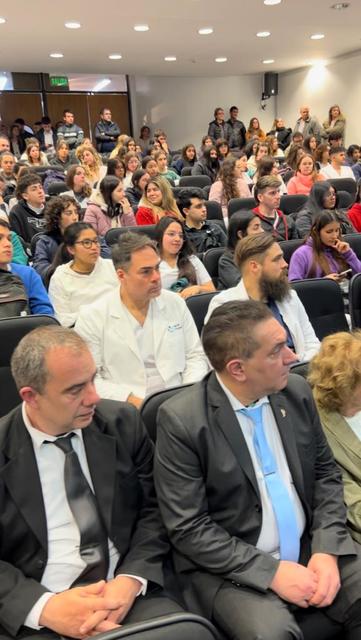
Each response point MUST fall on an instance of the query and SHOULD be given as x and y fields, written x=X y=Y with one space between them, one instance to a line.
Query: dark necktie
x=82 y=502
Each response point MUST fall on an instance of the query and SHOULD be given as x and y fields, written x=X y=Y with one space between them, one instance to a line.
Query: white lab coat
x=179 y=356
x=293 y=312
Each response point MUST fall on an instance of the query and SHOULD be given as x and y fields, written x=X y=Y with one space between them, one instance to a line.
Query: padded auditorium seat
x=198 y=306
x=194 y=181
x=323 y=302
x=112 y=236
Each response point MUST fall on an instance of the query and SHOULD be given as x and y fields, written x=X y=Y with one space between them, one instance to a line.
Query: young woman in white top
x=180 y=270
x=82 y=275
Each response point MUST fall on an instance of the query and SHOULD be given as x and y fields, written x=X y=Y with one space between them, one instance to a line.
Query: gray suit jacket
x=209 y=497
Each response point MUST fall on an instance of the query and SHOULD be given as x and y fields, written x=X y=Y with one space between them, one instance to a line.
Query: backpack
x=13 y=296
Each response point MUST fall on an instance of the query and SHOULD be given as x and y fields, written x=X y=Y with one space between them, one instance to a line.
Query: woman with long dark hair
x=116 y=167
x=324 y=254
x=187 y=159
x=180 y=270
x=230 y=184
x=322 y=196
x=81 y=276
x=134 y=193
x=241 y=224
x=108 y=207
x=79 y=189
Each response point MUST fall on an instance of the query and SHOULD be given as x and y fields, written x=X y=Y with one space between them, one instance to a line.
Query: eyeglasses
x=88 y=243
x=174 y=234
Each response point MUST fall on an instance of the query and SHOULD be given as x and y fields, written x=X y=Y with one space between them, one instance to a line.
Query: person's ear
x=235 y=369
x=29 y=395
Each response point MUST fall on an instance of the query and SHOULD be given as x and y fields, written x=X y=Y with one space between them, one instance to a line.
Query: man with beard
x=264 y=277
x=268 y=195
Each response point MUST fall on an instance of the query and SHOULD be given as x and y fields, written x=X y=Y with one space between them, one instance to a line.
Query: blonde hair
x=168 y=206
x=335 y=371
x=92 y=172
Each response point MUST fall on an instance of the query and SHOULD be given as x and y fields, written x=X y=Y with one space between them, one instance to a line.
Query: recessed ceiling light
x=220 y=59
x=170 y=58
x=2 y=20
x=268 y=61
x=141 y=27
x=56 y=55
x=205 y=31
x=317 y=36
x=115 y=56
x=272 y=1
x=263 y=34
x=340 y=5
x=72 y=25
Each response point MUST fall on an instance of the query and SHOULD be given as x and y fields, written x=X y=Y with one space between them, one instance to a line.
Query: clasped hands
x=315 y=585
x=85 y=611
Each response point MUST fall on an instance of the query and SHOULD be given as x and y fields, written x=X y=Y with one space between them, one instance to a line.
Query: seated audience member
x=7 y=163
x=108 y=207
x=79 y=189
x=132 y=163
x=268 y=195
x=264 y=277
x=92 y=164
x=19 y=255
x=62 y=156
x=59 y=213
x=260 y=150
x=28 y=142
x=17 y=142
x=106 y=132
x=254 y=131
x=134 y=193
x=322 y=196
x=322 y=156
x=160 y=137
x=80 y=275
x=325 y=254
x=69 y=131
x=310 y=145
x=274 y=149
x=306 y=176
x=268 y=166
x=157 y=201
x=208 y=164
x=296 y=139
x=150 y=166
x=161 y=159
x=229 y=184
x=217 y=128
x=242 y=165
x=27 y=217
x=309 y=125
x=35 y=157
x=187 y=159
x=130 y=145
x=4 y=207
x=295 y=154
x=47 y=136
x=282 y=133
x=206 y=142
x=223 y=150
x=337 y=167
x=241 y=224
x=180 y=270
x=202 y=233
x=143 y=338
x=256 y=552
x=336 y=121
x=354 y=213
x=236 y=131
x=353 y=155
x=335 y=140
x=335 y=378
x=93 y=566
x=4 y=143
x=116 y=167
x=26 y=292
x=144 y=139
x=119 y=150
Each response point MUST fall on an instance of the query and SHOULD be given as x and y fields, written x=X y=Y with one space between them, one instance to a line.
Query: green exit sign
x=59 y=81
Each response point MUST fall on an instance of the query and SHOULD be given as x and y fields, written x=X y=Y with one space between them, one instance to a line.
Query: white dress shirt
x=64 y=564
x=268 y=540
x=144 y=335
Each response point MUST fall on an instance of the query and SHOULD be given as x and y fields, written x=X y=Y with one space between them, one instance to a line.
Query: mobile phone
x=344 y=273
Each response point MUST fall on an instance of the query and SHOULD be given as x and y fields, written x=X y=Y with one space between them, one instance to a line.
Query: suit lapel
x=22 y=479
x=101 y=456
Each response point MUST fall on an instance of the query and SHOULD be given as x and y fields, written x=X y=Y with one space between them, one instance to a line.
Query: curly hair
x=94 y=169
x=53 y=210
x=335 y=372
x=228 y=178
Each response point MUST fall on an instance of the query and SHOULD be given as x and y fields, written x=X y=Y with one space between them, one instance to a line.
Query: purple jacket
x=302 y=258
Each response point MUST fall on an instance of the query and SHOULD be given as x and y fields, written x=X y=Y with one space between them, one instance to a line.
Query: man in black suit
x=82 y=512
x=233 y=451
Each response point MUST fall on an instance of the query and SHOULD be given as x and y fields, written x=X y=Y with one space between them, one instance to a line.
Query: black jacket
x=106 y=134
x=236 y=134
x=134 y=195
x=283 y=136
x=211 y=235
x=41 y=137
x=25 y=222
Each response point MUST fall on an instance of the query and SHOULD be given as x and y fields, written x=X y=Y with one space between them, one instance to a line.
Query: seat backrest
x=240 y=204
x=151 y=404
x=194 y=181
x=210 y=261
x=289 y=246
x=186 y=171
x=112 y=236
x=57 y=187
x=198 y=306
x=292 y=203
x=344 y=184
x=323 y=302
x=34 y=240
x=174 y=626
x=354 y=240
x=11 y=332
x=355 y=301
x=345 y=200
x=214 y=210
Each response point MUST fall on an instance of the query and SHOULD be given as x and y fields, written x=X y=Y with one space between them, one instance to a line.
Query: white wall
x=183 y=107
x=336 y=83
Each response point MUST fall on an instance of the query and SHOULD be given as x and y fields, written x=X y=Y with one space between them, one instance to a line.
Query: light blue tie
x=281 y=502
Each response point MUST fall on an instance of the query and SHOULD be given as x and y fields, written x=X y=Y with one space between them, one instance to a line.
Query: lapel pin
x=283 y=413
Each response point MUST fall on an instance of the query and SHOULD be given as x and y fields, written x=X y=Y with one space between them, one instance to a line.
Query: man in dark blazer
x=41 y=561
x=216 y=500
